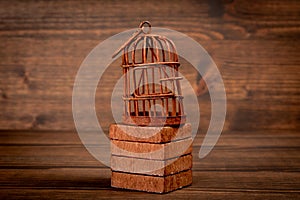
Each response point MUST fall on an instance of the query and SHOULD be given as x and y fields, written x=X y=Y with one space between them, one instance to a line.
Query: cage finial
x=142 y=26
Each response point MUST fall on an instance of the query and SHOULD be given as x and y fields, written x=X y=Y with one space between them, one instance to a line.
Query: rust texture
x=152 y=91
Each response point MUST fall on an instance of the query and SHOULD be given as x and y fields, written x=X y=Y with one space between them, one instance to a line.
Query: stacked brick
x=152 y=159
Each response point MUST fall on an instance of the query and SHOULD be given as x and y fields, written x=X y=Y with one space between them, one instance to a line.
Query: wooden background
x=254 y=43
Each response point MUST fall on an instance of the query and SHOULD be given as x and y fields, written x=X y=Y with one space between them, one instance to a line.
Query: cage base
x=154 y=120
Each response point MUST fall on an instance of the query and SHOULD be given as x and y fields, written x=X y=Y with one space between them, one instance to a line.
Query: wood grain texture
x=255 y=45
x=52 y=165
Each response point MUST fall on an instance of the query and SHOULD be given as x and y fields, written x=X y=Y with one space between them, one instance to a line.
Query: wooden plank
x=214 y=20
x=242 y=115
x=99 y=178
x=222 y=159
x=56 y=178
x=262 y=82
x=230 y=139
x=46 y=105
x=40 y=55
x=117 y=194
x=255 y=151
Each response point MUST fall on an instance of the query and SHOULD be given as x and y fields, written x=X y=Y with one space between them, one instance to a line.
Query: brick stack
x=152 y=159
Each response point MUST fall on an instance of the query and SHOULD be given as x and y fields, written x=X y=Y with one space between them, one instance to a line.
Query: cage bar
x=150 y=67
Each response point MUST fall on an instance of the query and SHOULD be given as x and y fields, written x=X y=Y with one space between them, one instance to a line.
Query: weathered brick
x=151 y=167
x=150 y=150
x=149 y=134
x=147 y=183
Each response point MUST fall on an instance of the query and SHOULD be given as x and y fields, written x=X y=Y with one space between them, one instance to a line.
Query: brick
x=150 y=150
x=154 y=184
x=149 y=134
x=151 y=167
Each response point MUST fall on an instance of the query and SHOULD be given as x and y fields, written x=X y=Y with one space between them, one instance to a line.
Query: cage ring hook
x=142 y=26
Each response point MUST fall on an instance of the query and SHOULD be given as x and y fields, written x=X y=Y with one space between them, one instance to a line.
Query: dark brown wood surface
x=255 y=45
x=55 y=165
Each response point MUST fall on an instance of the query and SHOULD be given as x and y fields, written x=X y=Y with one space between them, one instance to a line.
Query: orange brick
x=150 y=150
x=149 y=134
x=151 y=167
x=148 y=183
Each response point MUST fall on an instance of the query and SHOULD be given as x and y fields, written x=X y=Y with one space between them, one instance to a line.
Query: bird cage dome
x=152 y=91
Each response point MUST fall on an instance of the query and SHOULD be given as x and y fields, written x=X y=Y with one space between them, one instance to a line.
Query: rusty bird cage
x=152 y=90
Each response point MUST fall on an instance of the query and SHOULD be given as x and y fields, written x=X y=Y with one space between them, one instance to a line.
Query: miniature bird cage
x=152 y=91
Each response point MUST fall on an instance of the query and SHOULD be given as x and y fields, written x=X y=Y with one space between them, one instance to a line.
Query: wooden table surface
x=255 y=45
x=55 y=165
